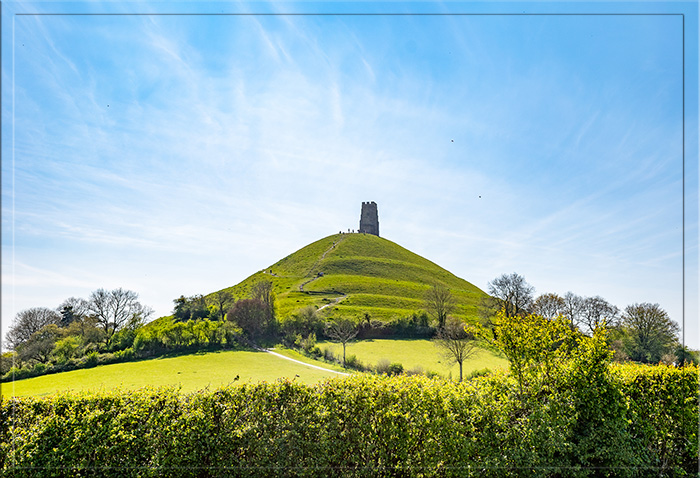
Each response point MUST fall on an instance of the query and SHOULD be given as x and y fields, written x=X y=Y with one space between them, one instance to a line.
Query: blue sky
x=179 y=154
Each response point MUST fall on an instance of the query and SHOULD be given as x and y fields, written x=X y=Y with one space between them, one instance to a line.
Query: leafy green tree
x=303 y=322
x=187 y=308
x=7 y=361
x=456 y=343
x=685 y=355
x=649 y=332
x=40 y=345
x=535 y=346
x=222 y=300
x=67 y=348
x=439 y=303
x=86 y=327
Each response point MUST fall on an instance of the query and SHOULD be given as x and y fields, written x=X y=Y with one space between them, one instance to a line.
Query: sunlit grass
x=190 y=372
x=415 y=354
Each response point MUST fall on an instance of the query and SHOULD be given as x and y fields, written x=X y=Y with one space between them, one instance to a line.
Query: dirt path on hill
x=323 y=256
x=302 y=363
x=335 y=301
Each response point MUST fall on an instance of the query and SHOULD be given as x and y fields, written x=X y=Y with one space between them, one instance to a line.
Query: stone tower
x=369 y=221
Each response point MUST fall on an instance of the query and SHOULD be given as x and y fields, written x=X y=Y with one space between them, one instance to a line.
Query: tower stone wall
x=369 y=220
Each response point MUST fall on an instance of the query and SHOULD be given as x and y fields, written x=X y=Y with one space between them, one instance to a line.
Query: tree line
x=109 y=325
x=642 y=332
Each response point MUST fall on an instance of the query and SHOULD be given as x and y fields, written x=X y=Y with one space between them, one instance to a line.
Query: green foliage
x=536 y=347
x=395 y=369
x=362 y=426
x=190 y=308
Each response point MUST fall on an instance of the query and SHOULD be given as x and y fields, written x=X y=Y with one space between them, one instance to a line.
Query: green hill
x=353 y=274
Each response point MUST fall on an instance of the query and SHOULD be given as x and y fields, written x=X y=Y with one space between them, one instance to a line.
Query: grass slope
x=378 y=277
x=190 y=372
x=416 y=354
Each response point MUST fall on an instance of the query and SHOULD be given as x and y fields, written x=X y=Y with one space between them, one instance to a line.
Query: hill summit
x=355 y=273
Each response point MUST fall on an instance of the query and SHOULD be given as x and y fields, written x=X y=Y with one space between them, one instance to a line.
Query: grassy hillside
x=366 y=273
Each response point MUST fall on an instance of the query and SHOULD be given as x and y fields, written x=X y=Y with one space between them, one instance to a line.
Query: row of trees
x=104 y=321
x=642 y=332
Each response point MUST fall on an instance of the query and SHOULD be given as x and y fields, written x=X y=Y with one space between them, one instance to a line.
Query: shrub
x=125 y=355
x=39 y=368
x=91 y=359
x=382 y=366
x=351 y=361
x=328 y=355
x=478 y=373
x=395 y=369
x=364 y=425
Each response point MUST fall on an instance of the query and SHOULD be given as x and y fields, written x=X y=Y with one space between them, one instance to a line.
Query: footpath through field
x=303 y=363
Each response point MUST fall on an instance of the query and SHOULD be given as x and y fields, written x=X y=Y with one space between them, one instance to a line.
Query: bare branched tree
x=598 y=312
x=549 y=306
x=263 y=291
x=457 y=345
x=117 y=309
x=27 y=322
x=73 y=309
x=342 y=330
x=573 y=309
x=512 y=294
x=439 y=303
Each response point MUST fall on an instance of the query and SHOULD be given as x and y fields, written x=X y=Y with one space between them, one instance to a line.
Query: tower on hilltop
x=369 y=221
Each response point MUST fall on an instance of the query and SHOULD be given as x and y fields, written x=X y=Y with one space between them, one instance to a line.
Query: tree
x=549 y=306
x=251 y=316
x=512 y=293
x=222 y=299
x=456 y=343
x=534 y=346
x=263 y=291
x=649 y=332
x=342 y=330
x=597 y=312
x=573 y=309
x=27 y=322
x=439 y=303
x=304 y=322
x=87 y=328
x=187 y=308
x=40 y=345
x=116 y=309
x=72 y=309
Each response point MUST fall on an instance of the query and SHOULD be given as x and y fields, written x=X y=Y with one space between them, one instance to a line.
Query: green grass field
x=190 y=372
x=215 y=369
x=414 y=354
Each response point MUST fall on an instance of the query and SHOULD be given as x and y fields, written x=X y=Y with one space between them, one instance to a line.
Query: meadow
x=215 y=369
x=418 y=355
x=188 y=372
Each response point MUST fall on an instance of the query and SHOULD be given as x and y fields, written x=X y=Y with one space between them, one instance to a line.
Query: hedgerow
x=628 y=421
